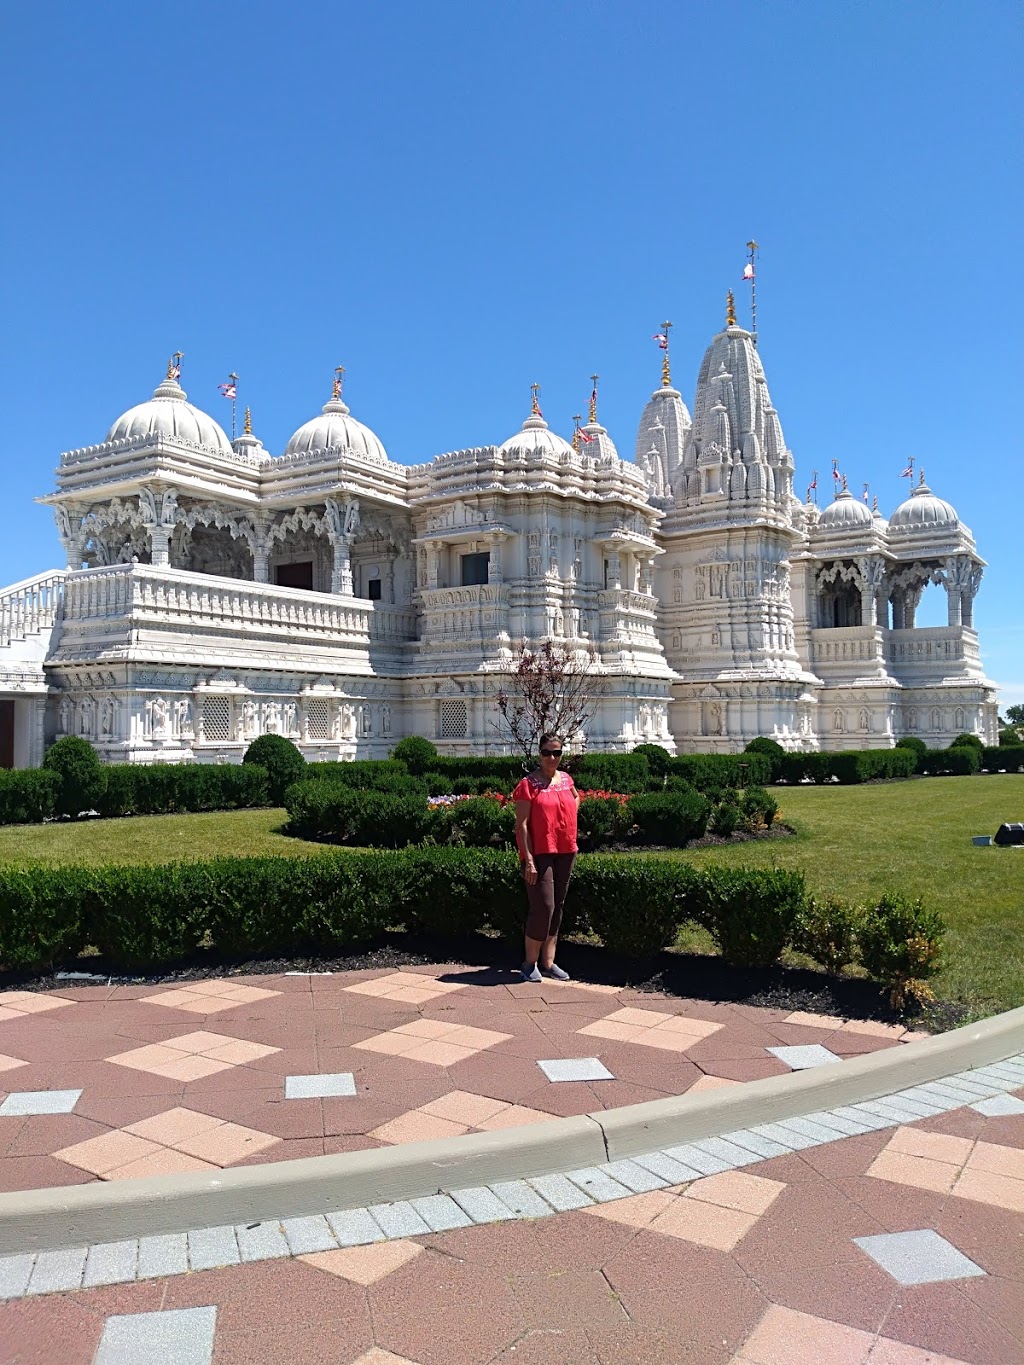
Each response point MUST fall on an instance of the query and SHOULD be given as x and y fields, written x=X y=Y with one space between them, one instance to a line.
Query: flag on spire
x=748 y=271
x=908 y=473
x=661 y=339
x=865 y=494
x=229 y=389
x=813 y=483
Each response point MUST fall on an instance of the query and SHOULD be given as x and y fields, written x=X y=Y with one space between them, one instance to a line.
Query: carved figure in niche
x=959 y=719
x=184 y=716
x=839 y=722
x=936 y=719
x=249 y=718
x=865 y=721
x=66 y=716
x=714 y=719
x=385 y=719
x=107 y=717
x=290 y=719
x=912 y=721
x=85 y=717
x=352 y=520
x=534 y=566
x=348 y=721
x=700 y=589
x=272 y=717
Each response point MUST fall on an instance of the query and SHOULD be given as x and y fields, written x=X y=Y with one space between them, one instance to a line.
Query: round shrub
x=282 y=761
x=912 y=742
x=658 y=759
x=826 y=930
x=602 y=820
x=764 y=745
x=759 y=808
x=416 y=753
x=82 y=779
x=968 y=741
x=725 y=819
x=900 y=946
x=672 y=819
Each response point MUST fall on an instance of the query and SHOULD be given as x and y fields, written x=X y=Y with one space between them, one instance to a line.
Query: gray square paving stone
x=561 y=1194
x=804 y=1056
x=635 y=1177
x=705 y=1163
x=355 y=1227
x=261 y=1241
x=998 y=1105
x=211 y=1248
x=441 y=1212
x=675 y=1172
x=180 y=1336
x=521 y=1199
x=111 y=1263
x=729 y=1152
x=57 y=1270
x=760 y=1146
x=305 y=1235
x=482 y=1205
x=337 y=1084
x=919 y=1257
x=166 y=1254
x=601 y=1188
x=576 y=1069
x=399 y=1219
x=15 y=1272
x=23 y=1103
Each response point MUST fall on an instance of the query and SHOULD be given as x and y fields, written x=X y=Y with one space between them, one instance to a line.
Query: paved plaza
x=889 y=1233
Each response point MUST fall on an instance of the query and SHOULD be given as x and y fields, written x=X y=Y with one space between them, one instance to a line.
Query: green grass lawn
x=852 y=842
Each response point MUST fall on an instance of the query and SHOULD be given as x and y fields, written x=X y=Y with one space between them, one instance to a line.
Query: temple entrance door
x=296 y=575
x=6 y=734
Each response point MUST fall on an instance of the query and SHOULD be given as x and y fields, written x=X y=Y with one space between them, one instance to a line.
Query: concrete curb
x=80 y=1215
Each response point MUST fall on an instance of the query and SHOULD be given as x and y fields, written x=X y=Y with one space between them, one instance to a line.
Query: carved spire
x=593 y=400
x=666 y=368
x=339 y=381
x=730 y=310
x=576 y=432
x=247 y=424
x=535 y=402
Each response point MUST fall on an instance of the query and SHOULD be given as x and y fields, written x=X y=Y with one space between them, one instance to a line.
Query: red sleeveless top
x=552 y=822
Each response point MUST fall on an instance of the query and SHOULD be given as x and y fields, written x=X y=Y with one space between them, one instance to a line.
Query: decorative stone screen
x=316 y=718
x=216 y=718
x=454 y=721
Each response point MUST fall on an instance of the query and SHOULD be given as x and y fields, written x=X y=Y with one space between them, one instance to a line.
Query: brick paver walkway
x=113 y=1082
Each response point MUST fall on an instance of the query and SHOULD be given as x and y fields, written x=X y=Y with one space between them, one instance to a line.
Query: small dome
x=600 y=446
x=845 y=513
x=336 y=429
x=167 y=414
x=536 y=438
x=924 y=513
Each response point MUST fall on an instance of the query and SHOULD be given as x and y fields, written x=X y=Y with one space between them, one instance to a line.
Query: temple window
x=475 y=568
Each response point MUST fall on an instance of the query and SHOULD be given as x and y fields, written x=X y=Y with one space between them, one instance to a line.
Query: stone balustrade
x=30 y=606
x=933 y=646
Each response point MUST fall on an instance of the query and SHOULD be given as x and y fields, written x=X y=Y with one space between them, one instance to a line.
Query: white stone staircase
x=28 y=613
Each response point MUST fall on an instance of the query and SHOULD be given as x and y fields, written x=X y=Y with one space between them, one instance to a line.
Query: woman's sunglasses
x=551 y=753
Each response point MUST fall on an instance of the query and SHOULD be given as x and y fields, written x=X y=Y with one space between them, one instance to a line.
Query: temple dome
x=536 y=438
x=845 y=513
x=168 y=414
x=337 y=429
x=923 y=512
x=600 y=446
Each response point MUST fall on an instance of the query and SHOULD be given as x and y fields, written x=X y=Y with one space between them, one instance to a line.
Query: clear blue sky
x=456 y=199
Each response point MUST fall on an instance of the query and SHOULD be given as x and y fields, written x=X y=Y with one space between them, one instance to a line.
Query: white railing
x=846 y=644
x=31 y=605
x=931 y=645
x=232 y=606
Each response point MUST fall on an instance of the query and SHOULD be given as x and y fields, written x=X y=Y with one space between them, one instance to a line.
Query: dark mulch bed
x=685 y=975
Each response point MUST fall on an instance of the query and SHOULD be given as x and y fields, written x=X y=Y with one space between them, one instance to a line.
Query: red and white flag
x=908 y=473
x=865 y=494
x=584 y=436
x=229 y=390
x=813 y=483
x=661 y=339
x=748 y=271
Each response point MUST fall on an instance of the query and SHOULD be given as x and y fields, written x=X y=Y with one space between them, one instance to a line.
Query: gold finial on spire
x=339 y=380
x=666 y=367
x=730 y=310
x=593 y=399
x=247 y=424
x=576 y=417
x=535 y=404
x=174 y=365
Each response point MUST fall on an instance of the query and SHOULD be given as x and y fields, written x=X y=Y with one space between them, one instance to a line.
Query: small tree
x=282 y=760
x=1015 y=715
x=550 y=690
x=82 y=778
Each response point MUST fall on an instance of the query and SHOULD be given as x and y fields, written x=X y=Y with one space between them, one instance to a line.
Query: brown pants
x=547 y=894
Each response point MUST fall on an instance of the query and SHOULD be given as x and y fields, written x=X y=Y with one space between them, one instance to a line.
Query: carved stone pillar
x=871 y=571
x=434 y=564
x=953 y=603
x=261 y=563
x=899 y=611
x=341 y=572
x=495 y=569
x=646 y=570
x=389 y=579
x=159 y=509
x=911 y=599
x=614 y=569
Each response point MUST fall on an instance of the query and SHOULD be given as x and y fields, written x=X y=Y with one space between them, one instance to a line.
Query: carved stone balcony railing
x=838 y=645
x=143 y=597
x=30 y=606
x=935 y=648
x=470 y=613
x=632 y=603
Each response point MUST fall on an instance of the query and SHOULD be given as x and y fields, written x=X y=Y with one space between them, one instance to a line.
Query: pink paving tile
x=917 y=1171
x=462 y=1107
x=954 y=1151
x=9 y=1063
x=375 y=1356
x=988 y=1156
x=365 y=1265
x=199 y=1042
x=609 y=1028
x=737 y=1190
x=412 y=995
x=174 y=1125
x=708 y=1225
x=464 y=1035
x=31 y=1002
x=393 y=1044
x=821 y=1021
x=6 y=1014
x=515 y=1116
x=785 y=1337
x=239 y=1052
x=426 y=1028
x=162 y=1162
x=102 y=1154
x=986 y=1187
x=226 y=1144
x=416 y=1126
x=888 y=1352
x=440 y=1053
x=638 y=1211
x=189 y=1068
x=710 y=1083
x=875 y=1029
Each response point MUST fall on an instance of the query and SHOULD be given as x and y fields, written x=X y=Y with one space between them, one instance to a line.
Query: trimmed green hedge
x=151 y=916
x=849 y=766
x=957 y=762
x=162 y=788
x=712 y=773
x=1003 y=758
x=27 y=795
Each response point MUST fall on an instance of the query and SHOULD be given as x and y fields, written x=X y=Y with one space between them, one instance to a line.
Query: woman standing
x=547 y=803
